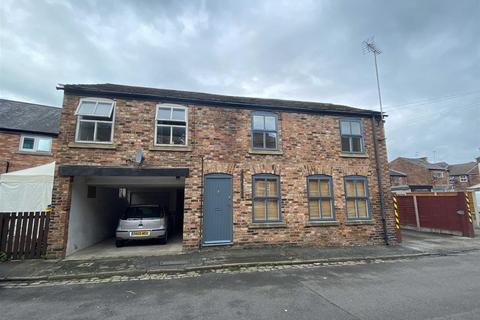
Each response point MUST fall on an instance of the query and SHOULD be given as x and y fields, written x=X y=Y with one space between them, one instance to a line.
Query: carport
x=100 y=195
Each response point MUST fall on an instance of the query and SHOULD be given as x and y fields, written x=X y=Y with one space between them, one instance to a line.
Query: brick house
x=27 y=134
x=464 y=175
x=417 y=174
x=421 y=175
x=232 y=170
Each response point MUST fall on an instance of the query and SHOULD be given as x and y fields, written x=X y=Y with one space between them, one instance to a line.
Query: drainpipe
x=379 y=180
x=8 y=167
x=201 y=209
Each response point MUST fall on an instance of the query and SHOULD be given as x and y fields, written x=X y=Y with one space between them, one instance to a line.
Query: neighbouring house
x=230 y=170
x=27 y=134
x=399 y=182
x=464 y=175
x=421 y=175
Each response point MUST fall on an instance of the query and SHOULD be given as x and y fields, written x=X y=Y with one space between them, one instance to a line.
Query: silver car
x=142 y=222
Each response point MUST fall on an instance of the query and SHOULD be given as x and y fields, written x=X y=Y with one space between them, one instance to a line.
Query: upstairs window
x=95 y=121
x=320 y=198
x=171 y=125
x=266 y=198
x=356 y=195
x=264 y=131
x=35 y=144
x=351 y=135
x=463 y=178
x=437 y=174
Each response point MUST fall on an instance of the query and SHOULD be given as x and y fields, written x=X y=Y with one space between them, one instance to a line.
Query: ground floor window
x=266 y=198
x=356 y=196
x=320 y=198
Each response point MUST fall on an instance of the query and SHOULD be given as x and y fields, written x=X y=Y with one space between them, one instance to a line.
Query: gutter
x=22 y=131
x=379 y=181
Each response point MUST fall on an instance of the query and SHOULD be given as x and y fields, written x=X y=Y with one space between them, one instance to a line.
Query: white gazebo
x=27 y=190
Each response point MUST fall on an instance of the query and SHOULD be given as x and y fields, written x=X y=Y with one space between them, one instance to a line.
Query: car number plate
x=140 y=233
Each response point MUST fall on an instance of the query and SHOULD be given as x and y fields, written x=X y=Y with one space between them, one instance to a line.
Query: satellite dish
x=139 y=156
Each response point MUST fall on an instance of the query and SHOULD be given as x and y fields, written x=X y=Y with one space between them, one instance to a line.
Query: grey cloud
x=308 y=50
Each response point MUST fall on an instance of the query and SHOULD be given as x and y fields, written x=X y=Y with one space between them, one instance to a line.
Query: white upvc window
x=171 y=125
x=95 y=119
x=38 y=144
x=463 y=178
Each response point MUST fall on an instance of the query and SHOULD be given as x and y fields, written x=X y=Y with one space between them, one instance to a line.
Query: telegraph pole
x=370 y=46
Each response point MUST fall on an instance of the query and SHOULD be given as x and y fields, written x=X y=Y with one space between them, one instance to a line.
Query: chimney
x=478 y=160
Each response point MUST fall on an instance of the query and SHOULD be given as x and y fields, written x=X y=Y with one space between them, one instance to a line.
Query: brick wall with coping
x=19 y=160
x=309 y=144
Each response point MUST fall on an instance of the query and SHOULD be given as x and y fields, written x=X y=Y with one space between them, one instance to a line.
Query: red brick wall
x=9 y=145
x=310 y=144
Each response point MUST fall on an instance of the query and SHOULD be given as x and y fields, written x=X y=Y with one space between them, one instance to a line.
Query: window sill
x=322 y=223
x=171 y=148
x=353 y=155
x=359 y=222
x=267 y=152
x=92 y=145
x=35 y=153
x=272 y=225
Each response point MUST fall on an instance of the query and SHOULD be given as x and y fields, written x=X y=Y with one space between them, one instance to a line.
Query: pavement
x=437 y=287
x=414 y=244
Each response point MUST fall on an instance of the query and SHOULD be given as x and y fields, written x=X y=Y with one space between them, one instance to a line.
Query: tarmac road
x=445 y=287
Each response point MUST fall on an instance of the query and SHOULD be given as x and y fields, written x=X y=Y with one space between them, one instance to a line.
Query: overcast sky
x=307 y=50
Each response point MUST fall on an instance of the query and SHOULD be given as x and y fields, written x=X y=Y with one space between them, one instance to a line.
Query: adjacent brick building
x=464 y=175
x=27 y=134
x=246 y=171
x=417 y=174
x=421 y=175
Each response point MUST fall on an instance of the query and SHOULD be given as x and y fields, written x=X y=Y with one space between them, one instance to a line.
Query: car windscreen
x=143 y=213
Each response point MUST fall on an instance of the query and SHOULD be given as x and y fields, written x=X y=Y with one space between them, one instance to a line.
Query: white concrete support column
x=475 y=208
x=417 y=217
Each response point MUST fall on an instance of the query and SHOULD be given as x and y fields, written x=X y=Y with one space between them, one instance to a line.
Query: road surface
x=445 y=287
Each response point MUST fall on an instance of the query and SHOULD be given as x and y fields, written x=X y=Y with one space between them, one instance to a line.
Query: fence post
x=417 y=217
x=397 y=219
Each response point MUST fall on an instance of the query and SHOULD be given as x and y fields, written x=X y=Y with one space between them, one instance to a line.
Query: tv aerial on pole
x=369 y=45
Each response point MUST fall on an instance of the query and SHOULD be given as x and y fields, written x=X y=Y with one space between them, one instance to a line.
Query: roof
x=442 y=164
x=397 y=173
x=461 y=168
x=424 y=163
x=115 y=90
x=29 y=117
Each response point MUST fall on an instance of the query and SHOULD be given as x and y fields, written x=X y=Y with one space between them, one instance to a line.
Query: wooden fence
x=442 y=212
x=23 y=235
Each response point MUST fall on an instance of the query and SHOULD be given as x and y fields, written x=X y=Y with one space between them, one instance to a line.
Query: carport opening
x=98 y=202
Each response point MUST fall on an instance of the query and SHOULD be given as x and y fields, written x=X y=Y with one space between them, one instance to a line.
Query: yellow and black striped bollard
x=469 y=210
x=397 y=218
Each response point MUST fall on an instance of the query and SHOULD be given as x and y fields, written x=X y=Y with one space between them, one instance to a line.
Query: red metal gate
x=445 y=212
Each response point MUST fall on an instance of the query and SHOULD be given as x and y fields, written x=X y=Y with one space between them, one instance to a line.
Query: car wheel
x=119 y=243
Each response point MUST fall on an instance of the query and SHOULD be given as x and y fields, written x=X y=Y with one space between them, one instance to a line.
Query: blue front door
x=217 y=210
